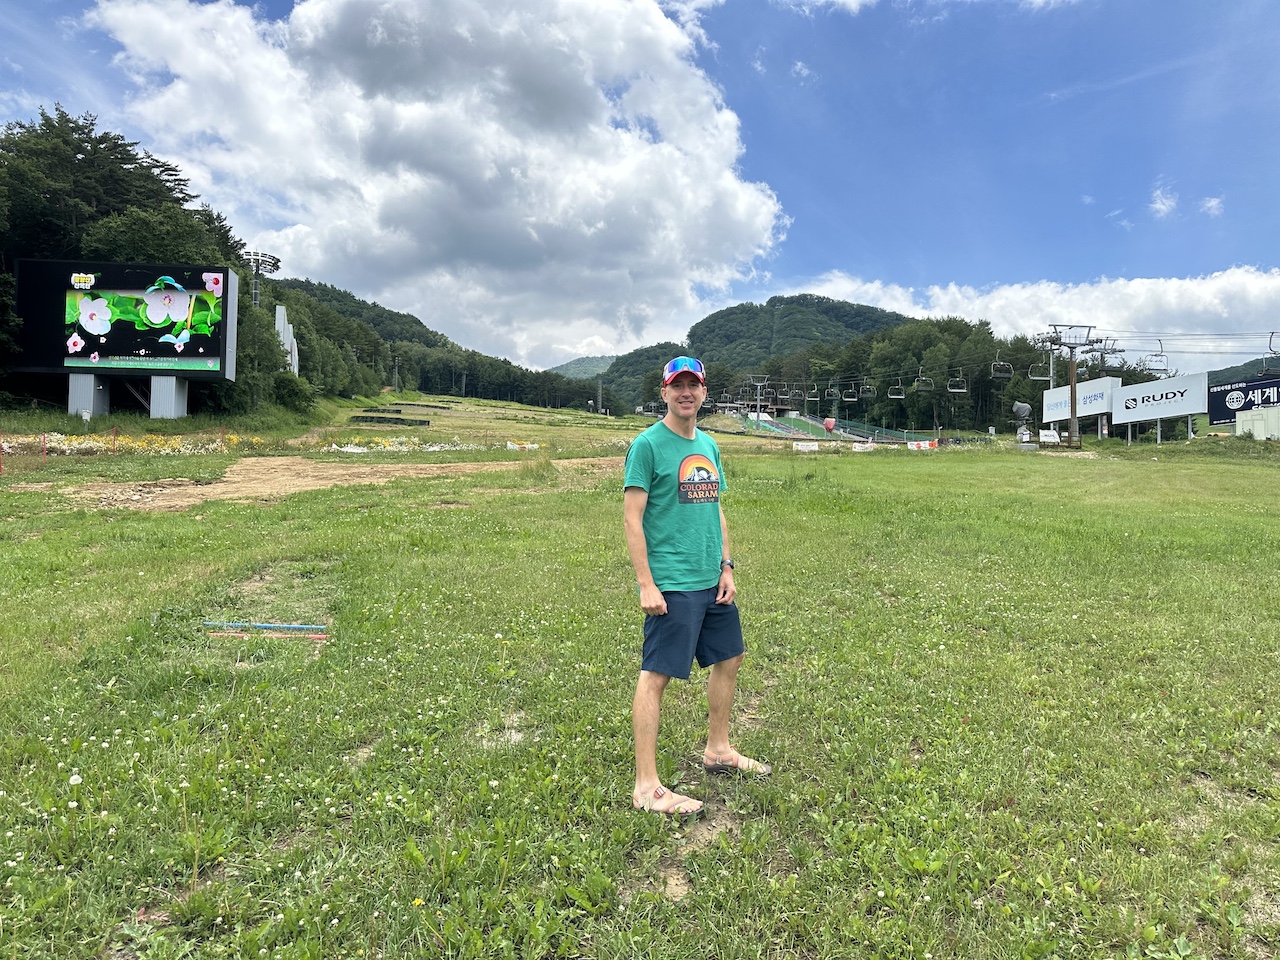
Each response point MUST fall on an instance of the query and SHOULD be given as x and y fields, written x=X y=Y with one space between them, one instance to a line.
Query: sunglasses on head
x=681 y=364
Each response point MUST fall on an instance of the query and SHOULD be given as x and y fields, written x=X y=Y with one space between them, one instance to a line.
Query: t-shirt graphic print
x=699 y=480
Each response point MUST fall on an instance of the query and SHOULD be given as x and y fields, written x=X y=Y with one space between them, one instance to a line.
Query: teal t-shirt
x=682 y=517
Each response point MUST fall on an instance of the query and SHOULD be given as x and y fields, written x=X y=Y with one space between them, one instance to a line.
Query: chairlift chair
x=1001 y=369
x=797 y=393
x=867 y=391
x=850 y=395
x=897 y=391
x=922 y=383
x=726 y=397
x=1157 y=362
x=957 y=384
x=1038 y=371
x=832 y=393
x=813 y=393
x=1272 y=354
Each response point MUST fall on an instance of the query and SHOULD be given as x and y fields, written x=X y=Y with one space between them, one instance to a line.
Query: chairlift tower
x=759 y=382
x=261 y=263
x=1071 y=337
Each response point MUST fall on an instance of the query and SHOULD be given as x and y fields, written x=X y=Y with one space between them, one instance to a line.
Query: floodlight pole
x=261 y=263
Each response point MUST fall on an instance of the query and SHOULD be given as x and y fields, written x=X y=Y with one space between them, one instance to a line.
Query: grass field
x=1018 y=705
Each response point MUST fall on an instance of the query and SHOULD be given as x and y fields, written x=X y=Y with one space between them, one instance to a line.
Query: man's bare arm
x=634 y=500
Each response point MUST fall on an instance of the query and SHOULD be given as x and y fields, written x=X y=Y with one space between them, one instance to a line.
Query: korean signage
x=1228 y=399
x=1093 y=397
x=1159 y=399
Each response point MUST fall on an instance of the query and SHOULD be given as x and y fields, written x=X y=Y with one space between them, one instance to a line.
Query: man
x=679 y=547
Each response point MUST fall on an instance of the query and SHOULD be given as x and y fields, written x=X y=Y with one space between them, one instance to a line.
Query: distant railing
x=864 y=431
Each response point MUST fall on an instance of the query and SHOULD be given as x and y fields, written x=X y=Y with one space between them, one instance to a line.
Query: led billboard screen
x=126 y=319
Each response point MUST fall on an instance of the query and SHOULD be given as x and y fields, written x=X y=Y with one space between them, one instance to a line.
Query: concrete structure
x=1262 y=423
x=90 y=392
x=168 y=398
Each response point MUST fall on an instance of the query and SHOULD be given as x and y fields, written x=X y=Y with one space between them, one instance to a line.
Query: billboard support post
x=89 y=391
x=168 y=398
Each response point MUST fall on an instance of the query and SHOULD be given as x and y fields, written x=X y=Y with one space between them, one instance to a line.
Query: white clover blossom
x=95 y=316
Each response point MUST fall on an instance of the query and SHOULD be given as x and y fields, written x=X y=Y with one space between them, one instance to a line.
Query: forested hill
x=1260 y=366
x=747 y=335
x=580 y=368
x=390 y=325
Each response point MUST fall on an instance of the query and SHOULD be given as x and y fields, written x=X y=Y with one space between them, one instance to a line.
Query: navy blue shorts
x=693 y=626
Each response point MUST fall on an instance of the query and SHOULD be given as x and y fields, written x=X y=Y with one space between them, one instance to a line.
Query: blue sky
x=543 y=179
x=990 y=142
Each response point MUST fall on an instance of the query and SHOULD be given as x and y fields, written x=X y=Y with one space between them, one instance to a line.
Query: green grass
x=1018 y=706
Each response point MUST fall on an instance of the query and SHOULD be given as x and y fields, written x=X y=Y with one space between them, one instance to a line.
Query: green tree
x=165 y=234
x=61 y=175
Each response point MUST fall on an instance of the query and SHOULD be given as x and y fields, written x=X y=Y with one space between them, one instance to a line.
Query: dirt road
x=267 y=478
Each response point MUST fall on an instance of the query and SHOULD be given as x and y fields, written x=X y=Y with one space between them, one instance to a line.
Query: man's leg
x=721 y=686
x=720 y=756
x=649 y=793
x=646 y=709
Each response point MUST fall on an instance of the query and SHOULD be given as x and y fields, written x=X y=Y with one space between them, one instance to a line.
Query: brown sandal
x=735 y=762
x=665 y=802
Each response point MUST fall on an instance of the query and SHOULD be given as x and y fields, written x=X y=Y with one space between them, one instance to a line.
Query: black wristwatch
x=727 y=563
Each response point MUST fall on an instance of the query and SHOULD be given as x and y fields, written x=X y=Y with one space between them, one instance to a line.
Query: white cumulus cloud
x=530 y=177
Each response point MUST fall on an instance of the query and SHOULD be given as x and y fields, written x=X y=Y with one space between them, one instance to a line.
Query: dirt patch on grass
x=715 y=821
x=672 y=879
x=509 y=735
x=269 y=478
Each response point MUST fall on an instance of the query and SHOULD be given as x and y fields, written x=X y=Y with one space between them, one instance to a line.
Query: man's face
x=685 y=393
